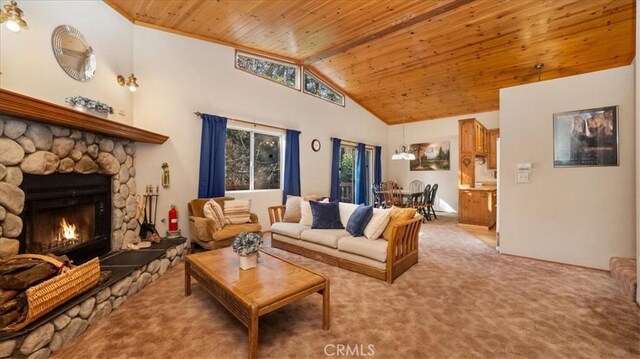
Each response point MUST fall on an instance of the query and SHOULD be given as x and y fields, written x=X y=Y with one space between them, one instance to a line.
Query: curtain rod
x=352 y=143
x=199 y=114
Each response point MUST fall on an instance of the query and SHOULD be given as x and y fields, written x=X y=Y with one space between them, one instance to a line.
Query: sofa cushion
x=397 y=215
x=346 y=210
x=232 y=230
x=325 y=237
x=326 y=215
x=289 y=229
x=377 y=224
x=359 y=220
x=376 y=249
x=306 y=217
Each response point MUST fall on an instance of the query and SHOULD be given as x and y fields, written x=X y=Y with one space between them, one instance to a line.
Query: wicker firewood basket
x=46 y=296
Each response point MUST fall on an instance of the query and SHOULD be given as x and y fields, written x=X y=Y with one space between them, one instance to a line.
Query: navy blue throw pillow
x=326 y=215
x=359 y=220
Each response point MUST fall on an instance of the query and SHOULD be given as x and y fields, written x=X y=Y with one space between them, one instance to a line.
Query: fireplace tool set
x=149 y=209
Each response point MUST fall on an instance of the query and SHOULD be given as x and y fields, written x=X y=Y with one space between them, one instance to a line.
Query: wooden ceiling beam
x=382 y=33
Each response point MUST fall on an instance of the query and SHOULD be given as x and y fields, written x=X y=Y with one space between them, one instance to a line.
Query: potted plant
x=247 y=246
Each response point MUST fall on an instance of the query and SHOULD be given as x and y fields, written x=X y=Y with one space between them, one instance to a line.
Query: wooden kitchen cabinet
x=481 y=139
x=492 y=153
x=477 y=207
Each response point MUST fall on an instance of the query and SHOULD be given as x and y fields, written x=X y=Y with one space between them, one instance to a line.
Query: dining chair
x=378 y=199
x=392 y=194
x=415 y=191
x=421 y=203
x=431 y=201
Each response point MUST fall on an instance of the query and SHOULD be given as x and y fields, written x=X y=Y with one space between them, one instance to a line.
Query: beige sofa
x=381 y=259
x=203 y=230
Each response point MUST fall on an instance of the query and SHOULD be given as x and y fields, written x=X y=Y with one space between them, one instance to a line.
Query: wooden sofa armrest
x=276 y=213
x=402 y=250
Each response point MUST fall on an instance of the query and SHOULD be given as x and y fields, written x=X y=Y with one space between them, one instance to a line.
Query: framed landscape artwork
x=430 y=156
x=586 y=138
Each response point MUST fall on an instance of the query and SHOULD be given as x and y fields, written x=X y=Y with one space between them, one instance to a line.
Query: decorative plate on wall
x=315 y=145
x=73 y=53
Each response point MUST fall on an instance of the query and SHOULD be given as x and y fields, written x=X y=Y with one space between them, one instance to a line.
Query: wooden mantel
x=25 y=107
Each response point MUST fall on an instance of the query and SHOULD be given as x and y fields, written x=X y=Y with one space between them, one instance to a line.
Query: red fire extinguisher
x=173 y=219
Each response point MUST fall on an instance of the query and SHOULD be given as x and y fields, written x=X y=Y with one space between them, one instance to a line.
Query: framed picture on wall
x=586 y=138
x=430 y=156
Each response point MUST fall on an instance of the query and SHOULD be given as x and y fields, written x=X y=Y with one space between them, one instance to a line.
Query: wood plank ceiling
x=450 y=57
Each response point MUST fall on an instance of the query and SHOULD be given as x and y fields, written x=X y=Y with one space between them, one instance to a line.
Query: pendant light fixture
x=401 y=153
x=12 y=17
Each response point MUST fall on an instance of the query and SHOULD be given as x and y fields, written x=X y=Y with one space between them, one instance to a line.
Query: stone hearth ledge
x=58 y=332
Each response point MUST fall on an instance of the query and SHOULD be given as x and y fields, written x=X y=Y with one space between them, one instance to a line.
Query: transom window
x=252 y=160
x=281 y=72
x=316 y=87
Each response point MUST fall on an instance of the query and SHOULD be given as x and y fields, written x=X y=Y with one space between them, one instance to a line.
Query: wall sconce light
x=13 y=17
x=131 y=82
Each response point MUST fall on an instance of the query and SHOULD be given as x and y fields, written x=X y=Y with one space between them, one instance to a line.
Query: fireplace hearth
x=67 y=214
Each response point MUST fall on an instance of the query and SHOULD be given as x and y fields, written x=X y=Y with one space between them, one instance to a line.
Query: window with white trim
x=253 y=160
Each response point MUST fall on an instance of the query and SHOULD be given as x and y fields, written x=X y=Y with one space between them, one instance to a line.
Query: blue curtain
x=335 y=171
x=211 y=182
x=291 y=165
x=361 y=191
x=377 y=165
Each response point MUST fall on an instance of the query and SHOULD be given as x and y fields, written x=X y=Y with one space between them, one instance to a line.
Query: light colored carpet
x=462 y=300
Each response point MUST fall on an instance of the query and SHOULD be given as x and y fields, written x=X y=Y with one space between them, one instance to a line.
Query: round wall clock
x=315 y=145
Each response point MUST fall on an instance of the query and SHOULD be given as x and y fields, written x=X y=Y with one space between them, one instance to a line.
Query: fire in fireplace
x=67 y=214
x=59 y=229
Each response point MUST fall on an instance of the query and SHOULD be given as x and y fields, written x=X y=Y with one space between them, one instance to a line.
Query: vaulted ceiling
x=450 y=57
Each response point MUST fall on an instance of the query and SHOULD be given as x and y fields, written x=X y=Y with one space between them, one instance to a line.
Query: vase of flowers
x=247 y=246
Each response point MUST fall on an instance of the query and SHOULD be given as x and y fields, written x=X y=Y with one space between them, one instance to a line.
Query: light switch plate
x=523 y=176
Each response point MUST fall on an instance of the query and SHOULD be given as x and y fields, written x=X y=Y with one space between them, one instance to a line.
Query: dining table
x=407 y=195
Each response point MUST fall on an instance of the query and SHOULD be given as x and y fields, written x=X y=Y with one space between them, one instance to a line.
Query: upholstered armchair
x=203 y=229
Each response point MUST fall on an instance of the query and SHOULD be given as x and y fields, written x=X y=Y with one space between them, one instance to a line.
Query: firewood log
x=29 y=277
x=8 y=318
x=9 y=306
x=16 y=265
x=7 y=295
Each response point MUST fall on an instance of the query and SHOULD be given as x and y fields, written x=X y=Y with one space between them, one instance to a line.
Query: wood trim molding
x=21 y=106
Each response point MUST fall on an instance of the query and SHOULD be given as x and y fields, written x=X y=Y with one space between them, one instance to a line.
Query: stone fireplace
x=64 y=191
x=66 y=213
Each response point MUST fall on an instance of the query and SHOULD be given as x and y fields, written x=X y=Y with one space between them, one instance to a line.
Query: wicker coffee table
x=249 y=294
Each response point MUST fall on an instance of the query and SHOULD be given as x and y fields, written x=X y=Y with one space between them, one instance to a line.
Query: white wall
x=578 y=216
x=183 y=75
x=29 y=67
x=428 y=131
x=635 y=62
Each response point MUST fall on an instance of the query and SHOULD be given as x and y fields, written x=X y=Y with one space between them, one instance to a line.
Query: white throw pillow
x=346 y=210
x=306 y=218
x=378 y=223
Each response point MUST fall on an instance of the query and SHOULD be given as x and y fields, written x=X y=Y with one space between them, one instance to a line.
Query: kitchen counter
x=480 y=188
